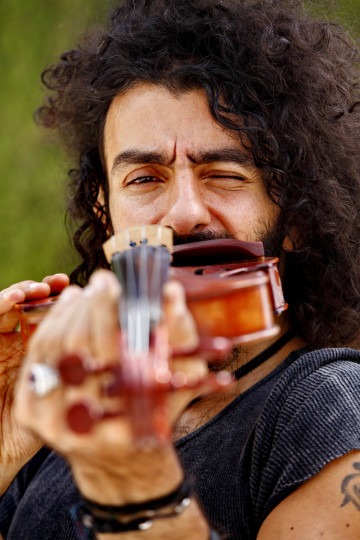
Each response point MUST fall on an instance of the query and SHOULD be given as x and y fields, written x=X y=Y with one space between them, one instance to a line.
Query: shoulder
x=327 y=505
x=313 y=379
x=311 y=417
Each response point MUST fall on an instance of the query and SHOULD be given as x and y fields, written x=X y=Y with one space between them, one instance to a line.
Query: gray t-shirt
x=243 y=462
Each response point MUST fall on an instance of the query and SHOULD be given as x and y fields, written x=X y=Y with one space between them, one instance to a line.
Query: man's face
x=169 y=163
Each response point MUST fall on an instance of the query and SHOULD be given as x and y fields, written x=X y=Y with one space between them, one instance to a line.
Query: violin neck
x=142 y=270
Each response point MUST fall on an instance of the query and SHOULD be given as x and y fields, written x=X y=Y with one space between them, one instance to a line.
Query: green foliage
x=33 y=242
x=345 y=12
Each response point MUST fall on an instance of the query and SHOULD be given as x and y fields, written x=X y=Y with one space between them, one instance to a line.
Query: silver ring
x=43 y=379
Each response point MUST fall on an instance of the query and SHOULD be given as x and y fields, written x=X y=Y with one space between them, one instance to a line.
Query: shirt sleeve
x=311 y=417
x=13 y=495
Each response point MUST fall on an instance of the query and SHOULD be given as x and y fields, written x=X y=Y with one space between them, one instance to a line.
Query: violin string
x=161 y=263
x=143 y=298
x=156 y=278
x=141 y=308
x=130 y=299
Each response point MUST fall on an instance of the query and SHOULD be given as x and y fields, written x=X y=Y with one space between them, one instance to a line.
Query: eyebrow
x=136 y=156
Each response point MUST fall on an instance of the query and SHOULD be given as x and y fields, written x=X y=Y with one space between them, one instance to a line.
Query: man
x=216 y=119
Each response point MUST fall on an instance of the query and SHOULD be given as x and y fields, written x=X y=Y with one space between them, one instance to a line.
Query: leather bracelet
x=108 y=525
x=102 y=510
x=90 y=515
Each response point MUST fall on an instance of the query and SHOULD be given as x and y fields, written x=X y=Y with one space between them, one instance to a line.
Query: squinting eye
x=143 y=180
x=241 y=178
x=226 y=180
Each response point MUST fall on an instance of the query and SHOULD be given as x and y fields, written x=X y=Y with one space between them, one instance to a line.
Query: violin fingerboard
x=142 y=272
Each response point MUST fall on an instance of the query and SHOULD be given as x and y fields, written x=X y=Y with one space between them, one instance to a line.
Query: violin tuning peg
x=72 y=369
x=82 y=416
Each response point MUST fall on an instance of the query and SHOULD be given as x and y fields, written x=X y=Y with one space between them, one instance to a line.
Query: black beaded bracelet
x=91 y=515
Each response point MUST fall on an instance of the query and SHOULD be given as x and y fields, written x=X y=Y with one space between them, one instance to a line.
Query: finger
x=104 y=293
x=67 y=327
x=41 y=415
x=57 y=282
x=181 y=326
x=9 y=299
x=19 y=293
x=33 y=290
x=47 y=347
x=48 y=339
x=193 y=368
x=68 y=295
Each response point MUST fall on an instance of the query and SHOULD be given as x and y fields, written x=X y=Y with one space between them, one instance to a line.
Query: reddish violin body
x=234 y=291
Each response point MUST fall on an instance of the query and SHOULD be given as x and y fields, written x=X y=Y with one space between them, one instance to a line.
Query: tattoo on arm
x=350 y=487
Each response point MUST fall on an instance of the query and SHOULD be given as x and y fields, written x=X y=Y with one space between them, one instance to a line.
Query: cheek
x=243 y=213
x=129 y=213
x=233 y=207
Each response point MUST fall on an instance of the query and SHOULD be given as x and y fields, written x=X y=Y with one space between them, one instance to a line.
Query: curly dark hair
x=291 y=79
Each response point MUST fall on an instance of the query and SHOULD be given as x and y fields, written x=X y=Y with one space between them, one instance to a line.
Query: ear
x=100 y=202
x=291 y=239
x=101 y=196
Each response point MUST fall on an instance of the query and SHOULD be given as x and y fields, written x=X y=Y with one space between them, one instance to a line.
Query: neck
x=240 y=356
x=203 y=408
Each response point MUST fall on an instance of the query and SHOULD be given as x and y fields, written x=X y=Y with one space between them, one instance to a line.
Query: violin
x=232 y=291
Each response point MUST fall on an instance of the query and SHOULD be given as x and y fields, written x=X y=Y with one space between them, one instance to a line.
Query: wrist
x=146 y=475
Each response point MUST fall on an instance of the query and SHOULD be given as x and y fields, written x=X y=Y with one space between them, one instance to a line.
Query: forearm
x=14 y=459
x=8 y=473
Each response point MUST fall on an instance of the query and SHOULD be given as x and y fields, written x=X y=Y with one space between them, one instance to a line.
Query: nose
x=186 y=210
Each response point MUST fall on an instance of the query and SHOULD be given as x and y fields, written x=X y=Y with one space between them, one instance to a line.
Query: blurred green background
x=33 y=241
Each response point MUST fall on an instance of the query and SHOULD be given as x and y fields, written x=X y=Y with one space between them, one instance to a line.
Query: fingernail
x=66 y=295
x=98 y=284
x=34 y=286
x=88 y=291
x=7 y=294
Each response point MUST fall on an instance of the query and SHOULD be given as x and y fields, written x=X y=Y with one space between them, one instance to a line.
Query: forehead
x=149 y=116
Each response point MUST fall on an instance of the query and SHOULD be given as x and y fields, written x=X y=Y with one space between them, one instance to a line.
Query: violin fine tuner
x=153 y=235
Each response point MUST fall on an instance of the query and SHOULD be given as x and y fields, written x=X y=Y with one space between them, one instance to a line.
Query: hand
x=17 y=445
x=86 y=321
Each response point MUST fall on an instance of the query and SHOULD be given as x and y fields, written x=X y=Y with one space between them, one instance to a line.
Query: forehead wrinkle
x=218 y=155
x=138 y=156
